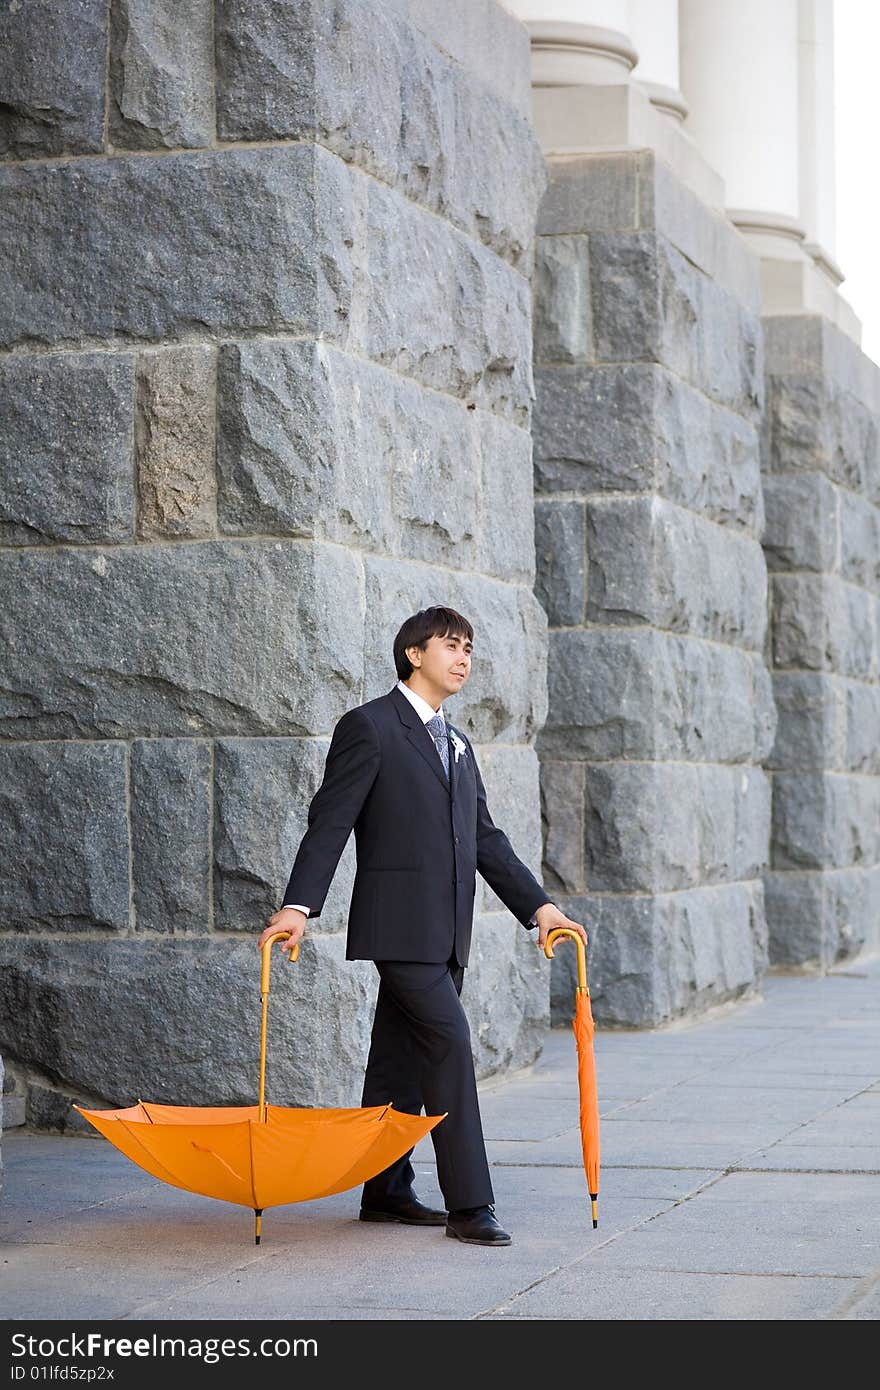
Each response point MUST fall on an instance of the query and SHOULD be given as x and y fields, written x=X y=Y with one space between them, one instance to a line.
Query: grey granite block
x=66 y=447
x=562 y=314
x=161 y=74
x=171 y=834
x=444 y=309
x=596 y=192
x=140 y=245
x=560 y=541
x=64 y=826
x=801 y=532
x=52 y=73
x=201 y=637
x=812 y=720
x=175 y=442
x=257 y=784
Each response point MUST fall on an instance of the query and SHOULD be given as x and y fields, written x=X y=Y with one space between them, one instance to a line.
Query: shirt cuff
x=300 y=907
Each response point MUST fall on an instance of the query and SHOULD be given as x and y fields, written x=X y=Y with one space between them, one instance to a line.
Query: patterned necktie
x=436 y=727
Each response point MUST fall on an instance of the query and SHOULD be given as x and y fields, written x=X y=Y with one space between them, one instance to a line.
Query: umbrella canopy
x=262 y=1155
x=237 y=1155
x=584 y=1029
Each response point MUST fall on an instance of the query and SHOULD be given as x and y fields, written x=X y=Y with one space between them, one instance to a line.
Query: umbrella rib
x=174 y=1182
x=251 y=1157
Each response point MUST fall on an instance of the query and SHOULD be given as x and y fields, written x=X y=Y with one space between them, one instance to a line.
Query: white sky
x=856 y=46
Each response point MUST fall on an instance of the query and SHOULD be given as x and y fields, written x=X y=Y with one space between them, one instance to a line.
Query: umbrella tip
x=593 y=1200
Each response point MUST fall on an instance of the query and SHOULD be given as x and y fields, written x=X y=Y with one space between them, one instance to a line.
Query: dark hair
x=421 y=627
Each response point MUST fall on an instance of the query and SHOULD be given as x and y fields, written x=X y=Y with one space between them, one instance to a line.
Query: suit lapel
x=419 y=737
x=426 y=746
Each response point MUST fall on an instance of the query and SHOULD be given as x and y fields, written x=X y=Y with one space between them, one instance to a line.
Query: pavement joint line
x=707 y=1070
x=741 y=1273
x=30 y=1244
x=416 y=1313
x=141 y=1310
x=511 y=1299
x=673 y=1203
x=649 y=1167
x=813 y=1172
x=557 y=1134
x=802 y=1124
x=697 y=1167
x=865 y=1286
x=49 y=1217
x=625 y=1105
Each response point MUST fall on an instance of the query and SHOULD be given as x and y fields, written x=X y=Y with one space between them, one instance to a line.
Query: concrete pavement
x=740 y=1180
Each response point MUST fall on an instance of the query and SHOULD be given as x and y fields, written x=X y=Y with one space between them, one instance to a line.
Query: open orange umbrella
x=261 y=1155
x=584 y=1028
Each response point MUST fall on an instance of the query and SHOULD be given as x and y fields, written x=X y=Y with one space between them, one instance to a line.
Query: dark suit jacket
x=420 y=841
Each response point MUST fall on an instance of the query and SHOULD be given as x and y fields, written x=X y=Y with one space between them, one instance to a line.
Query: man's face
x=445 y=663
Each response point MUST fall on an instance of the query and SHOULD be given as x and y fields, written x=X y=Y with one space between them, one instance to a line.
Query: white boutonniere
x=457 y=744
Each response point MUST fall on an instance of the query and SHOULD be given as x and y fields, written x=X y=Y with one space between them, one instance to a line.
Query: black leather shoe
x=476 y=1226
x=407 y=1210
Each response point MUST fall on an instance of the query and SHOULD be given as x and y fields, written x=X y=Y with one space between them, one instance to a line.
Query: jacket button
x=456 y=839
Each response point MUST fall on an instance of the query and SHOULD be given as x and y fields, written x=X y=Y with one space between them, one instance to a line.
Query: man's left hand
x=548 y=917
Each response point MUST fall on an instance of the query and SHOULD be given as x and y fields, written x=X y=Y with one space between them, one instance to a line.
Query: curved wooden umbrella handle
x=553 y=936
x=266 y=954
x=265 y=969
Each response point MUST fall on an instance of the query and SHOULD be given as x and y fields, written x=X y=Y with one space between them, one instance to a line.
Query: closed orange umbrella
x=262 y=1155
x=584 y=1029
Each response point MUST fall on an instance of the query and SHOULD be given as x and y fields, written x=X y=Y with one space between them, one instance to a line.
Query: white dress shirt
x=425 y=712
x=419 y=704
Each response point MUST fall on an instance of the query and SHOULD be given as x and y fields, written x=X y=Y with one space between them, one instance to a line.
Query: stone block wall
x=821 y=462
x=266 y=390
x=649 y=516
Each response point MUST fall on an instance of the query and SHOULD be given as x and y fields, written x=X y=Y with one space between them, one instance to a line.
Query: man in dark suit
x=406 y=780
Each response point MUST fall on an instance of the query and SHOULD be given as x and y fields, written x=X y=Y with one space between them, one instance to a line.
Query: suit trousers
x=420 y=1056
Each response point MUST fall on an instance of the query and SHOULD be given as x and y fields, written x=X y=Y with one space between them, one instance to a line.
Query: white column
x=754 y=76
x=577 y=42
x=739 y=75
x=816 y=86
x=654 y=28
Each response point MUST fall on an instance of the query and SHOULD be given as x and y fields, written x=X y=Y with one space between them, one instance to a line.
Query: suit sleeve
x=500 y=865
x=349 y=772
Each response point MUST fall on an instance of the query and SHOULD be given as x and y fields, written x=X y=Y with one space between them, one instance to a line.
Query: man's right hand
x=289 y=919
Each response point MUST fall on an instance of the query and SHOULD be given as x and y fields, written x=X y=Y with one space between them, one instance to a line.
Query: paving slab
x=647 y=1295
x=820 y=1224
x=701 y=1103
x=864 y=1303
x=854 y=1121
x=815 y=1158
x=745 y=1076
